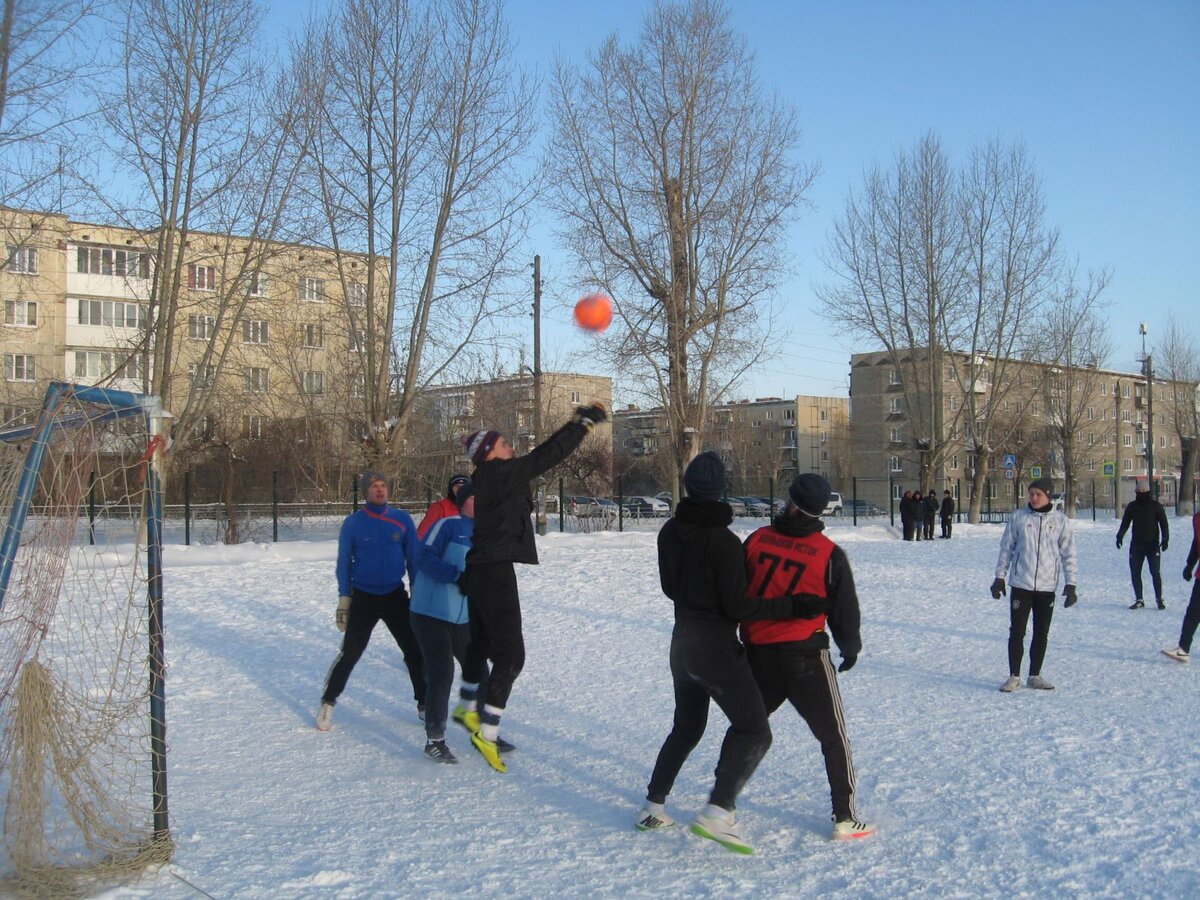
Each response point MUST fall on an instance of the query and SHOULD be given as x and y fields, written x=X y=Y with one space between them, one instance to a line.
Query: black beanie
x=455 y=481
x=810 y=493
x=465 y=493
x=1045 y=485
x=704 y=477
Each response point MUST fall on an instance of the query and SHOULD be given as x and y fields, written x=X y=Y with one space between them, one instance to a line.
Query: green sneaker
x=467 y=718
x=488 y=750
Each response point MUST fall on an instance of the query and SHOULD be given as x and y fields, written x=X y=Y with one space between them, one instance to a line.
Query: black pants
x=909 y=530
x=1041 y=603
x=496 y=626
x=807 y=680
x=947 y=526
x=710 y=665
x=929 y=528
x=1191 y=618
x=365 y=612
x=442 y=643
x=1139 y=553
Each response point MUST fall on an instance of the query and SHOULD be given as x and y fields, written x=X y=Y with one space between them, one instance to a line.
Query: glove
x=848 y=663
x=1120 y=541
x=1187 y=574
x=1163 y=548
x=1072 y=597
x=343 y=613
x=998 y=589
x=591 y=415
x=808 y=606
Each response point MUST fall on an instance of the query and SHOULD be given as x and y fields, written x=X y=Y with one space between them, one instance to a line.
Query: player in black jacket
x=504 y=536
x=1150 y=534
x=947 y=514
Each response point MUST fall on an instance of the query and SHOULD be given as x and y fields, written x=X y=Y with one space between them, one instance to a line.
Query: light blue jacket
x=1036 y=548
x=441 y=558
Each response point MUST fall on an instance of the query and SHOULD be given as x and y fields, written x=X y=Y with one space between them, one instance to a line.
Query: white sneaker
x=851 y=829
x=1177 y=653
x=325 y=717
x=718 y=825
x=1013 y=682
x=1040 y=683
x=652 y=818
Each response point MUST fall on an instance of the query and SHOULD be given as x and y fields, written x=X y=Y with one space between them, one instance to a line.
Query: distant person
x=917 y=514
x=504 y=536
x=446 y=506
x=931 y=511
x=790 y=657
x=1149 y=541
x=377 y=545
x=947 y=514
x=906 y=515
x=1038 y=546
x=1192 y=617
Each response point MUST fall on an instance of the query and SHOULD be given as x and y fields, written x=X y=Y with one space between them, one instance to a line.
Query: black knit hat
x=465 y=493
x=455 y=481
x=1045 y=485
x=704 y=477
x=809 y=493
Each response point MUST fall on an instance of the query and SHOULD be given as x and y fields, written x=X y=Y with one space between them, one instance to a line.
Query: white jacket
x=1037 y=546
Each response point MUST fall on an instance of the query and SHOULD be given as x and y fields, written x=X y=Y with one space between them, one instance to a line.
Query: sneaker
x=325 y=717
x=1177 y=653
x=421 y=711
x=489 y=751
x=1161 y=603
x=850 y=828
x=1138 y=604
x=467 y=718
x=1013 y=682
x=439 y=752
x=652 y=818
x=1040 y=683
x=718 y=825
x=504 y=746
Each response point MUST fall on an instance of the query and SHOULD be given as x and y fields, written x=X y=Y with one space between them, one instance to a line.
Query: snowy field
x=1088 y=790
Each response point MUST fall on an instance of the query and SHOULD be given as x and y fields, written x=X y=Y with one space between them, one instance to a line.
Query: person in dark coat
x=702 y=570
x=906 y=515
x=917 y=515
x=1150 y=535
x=947 y=514
x=504 y=536
x=930 y=513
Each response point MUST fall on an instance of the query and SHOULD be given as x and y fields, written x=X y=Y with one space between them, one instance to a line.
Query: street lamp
x=1148 y=371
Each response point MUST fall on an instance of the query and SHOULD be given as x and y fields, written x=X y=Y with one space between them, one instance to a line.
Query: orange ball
x=594 y=312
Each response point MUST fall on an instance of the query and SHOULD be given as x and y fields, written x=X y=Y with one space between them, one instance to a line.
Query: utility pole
x=537 y=386
x=1148 y=371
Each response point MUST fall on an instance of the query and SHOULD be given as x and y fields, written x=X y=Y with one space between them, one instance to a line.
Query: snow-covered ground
x=1088 y=790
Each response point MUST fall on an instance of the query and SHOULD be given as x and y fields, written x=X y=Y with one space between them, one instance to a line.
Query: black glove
x=1187 y=574
x=1120 y=541
x=848 y=662
x=1163 y=548
x=808 y=606
x=1072 y=597
x=591 y=415
x=998 y=589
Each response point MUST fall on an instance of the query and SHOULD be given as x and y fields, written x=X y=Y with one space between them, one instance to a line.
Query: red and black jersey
x=781 y=565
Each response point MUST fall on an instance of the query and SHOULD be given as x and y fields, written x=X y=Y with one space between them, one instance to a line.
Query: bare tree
x=675 y=179
x=1179 y=362
x=421 y=126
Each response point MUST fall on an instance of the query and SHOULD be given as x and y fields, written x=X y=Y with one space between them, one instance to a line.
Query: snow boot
x=719 y=825
x=850 y=828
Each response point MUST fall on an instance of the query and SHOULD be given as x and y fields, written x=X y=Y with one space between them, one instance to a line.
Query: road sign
x=1010 y=460
x=1110 y=469
x=1009 y=473
x=1035 y=471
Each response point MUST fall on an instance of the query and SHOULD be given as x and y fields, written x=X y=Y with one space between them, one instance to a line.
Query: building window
x=824 y=437
x=201 y=328
x=258 y=379
x=356 y=293
x=893 y=463
x=897 y=436
x=202 y=278
x=897 y=405
x=357 y=340
x=896 y=495
x=312 y=382
x=202 y=376
x=312 y=336
x=953 y=404
x=252 y=426
x=22 y=260
x=1127 y=440
x=894 y=376
x=254 y=331
x=1091 y=440
x=1128 y=465
x=1126 y=416
x=20 y=312
x=18 y=366
x=824 y=415
x=358 y=386
x=312 y=290
x=17 y=416
x=954 y=461
x=1162 y=440
x=110 y=313
x=574 y=396
x=256 y=284
x=1125 y=391
x=112 y=261
x=1104 y=389
x=95 y=364
x=790 y=415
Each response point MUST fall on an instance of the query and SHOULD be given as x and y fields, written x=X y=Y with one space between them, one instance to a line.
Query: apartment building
x=1045 y=419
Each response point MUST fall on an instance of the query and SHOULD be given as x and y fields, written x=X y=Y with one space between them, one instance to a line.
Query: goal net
x=82 y=710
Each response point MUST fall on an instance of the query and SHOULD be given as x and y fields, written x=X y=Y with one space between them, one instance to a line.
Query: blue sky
x=1105 y=95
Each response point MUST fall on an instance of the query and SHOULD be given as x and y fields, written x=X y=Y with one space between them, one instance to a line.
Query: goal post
x=83 y=771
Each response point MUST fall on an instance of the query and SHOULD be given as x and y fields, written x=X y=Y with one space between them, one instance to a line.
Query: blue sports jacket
x=441 y=558
x=376 y=546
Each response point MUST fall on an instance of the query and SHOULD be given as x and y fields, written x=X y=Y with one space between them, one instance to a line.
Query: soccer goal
x=82 y=704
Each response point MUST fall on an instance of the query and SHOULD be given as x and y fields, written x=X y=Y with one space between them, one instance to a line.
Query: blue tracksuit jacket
x=376 y=546
x=441 y=558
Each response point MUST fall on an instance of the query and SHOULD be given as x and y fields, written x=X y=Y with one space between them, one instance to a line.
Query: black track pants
x=1041 y=603
x=365 y=612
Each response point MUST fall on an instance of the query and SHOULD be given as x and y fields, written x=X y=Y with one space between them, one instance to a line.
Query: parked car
x=608 y=508
x=756 y=506
x=863 y=509
x=1059 y=500
x=834 y=506
x=739 y=507
x=646 y=508
x=584 y=507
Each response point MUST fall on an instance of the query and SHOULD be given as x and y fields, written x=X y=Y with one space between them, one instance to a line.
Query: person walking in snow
x=702 y=570
x=947 y=514
x=446 y=506
x=440 y=617
x=1191 y=618
x=376 y=546
x=504 y=536
x=790 y=657
x=1038 y=545
x=1149 y=541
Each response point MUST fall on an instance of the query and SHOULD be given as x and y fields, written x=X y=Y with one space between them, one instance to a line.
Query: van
x=834 y=506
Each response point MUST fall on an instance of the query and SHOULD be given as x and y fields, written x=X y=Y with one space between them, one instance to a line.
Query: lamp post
x=1148 y=371
x=537 y=386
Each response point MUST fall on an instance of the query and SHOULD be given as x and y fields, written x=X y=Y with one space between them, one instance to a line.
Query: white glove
x=343 y=613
